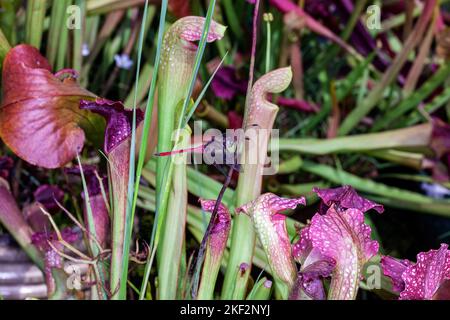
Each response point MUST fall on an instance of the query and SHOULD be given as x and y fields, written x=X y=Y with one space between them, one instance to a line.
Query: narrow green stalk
x=147 y=122
x=143 y=85
x=9 y=20
x=415 y=98
x=173 y=230
x=98 y=7
x=118 y=168
x=95 y=250
x=268 y=18
x=210 y=271
x=261 y=290
x=57 y=24
x=35 y=22
x=62 y=48
x=4 y=47
x=242 y=234
x=428 y=108
x=420 y=60
x=129 y=209
x=179 y=68
x=202 y=93
x=198 y=58
x=347 y=84
x=379 y=191
x=232 y=18
x=334 y=49
x=215 y=243
x=146 y=130
x=403 y=158
x=414 y=137
x=77 y=58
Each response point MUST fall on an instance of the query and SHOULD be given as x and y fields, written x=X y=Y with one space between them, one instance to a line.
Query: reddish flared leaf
x=221 y=228
x=39 y=115
x=314 y=267
x=424 y=278
x=394 y=268
x=270 y=225
x=118 y=118
x=342 y=235
x=347 y=198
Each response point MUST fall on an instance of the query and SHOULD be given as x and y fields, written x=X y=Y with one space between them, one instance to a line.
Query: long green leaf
x=35 y=22
x=144 y=140
x=374 y=97
x=131 y=180
x=414 y=99
x=380 y=192
x=4 y=47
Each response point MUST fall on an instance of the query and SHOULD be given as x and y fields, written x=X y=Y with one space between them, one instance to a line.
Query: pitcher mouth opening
x=191 y=45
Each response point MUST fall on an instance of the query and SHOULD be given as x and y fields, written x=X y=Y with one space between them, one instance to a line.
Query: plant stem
x=207 y=235
x=242 y=235
x=95 y=250
x=131 y=188
x=413 y=137
x=35 y=22
x=78 y=38
x=268 y=18
x=62 y=48
x=380 y=192
x=146 y=130
x=261 y=114
x=57 y=24
x=261 y=290
x=119 y=164
x=4 y=47
x=232 y=18
x=172 y=235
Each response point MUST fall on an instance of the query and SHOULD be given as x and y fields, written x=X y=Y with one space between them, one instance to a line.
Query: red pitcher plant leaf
x=427 y=279
x=314 y=267
x=345 y=197
x=270 y=225
x=337 y=242
x=215 y=248
x=394 y=268
x=342 y=235
x=117 y=147
x=39 y=115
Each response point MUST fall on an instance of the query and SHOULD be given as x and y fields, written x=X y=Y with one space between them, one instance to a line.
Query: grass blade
x=130 y=208
x=146 y=129
x=352 y=120
x=414 y=99
x=35 y=22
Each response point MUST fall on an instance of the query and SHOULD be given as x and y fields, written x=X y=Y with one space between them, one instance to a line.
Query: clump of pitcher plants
x=97 y=180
